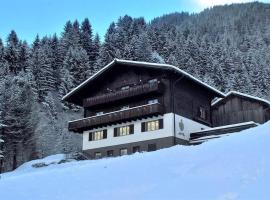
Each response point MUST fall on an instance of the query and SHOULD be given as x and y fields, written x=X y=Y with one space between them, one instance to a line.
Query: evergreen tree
x=3 y=64
x=87 y=38
x=75 y=69
x=56 y=60
x=18 y=113
x=108 y=50
x=12 y=53
x=23 y=55
x=95 y=53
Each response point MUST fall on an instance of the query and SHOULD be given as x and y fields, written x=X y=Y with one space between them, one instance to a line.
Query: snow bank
x=234 y=167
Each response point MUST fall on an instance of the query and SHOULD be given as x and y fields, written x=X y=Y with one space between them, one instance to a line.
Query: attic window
x=152 y=101
x=202 y=113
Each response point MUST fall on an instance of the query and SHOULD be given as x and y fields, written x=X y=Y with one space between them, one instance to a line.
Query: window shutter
x=104 y=134
x=143 y=127
x=90 y=136
x=160 y=121
x=131 y=127
x=115 y=132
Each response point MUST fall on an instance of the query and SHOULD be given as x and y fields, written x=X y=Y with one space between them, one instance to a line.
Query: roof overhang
x=220 y=100
x=141 y=64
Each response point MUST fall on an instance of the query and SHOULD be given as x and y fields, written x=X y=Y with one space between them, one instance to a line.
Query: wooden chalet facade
x=238 y=107
x=137 y=106
x=134 y=106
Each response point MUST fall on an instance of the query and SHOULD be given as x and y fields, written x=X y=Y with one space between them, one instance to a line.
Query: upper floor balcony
x=125 y=115
x=134 y=91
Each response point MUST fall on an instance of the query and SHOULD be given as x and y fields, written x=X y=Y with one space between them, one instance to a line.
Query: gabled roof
x=142 y=64
x=264 y=101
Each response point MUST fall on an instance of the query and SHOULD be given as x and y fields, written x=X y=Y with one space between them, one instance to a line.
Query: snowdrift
x=233 y=167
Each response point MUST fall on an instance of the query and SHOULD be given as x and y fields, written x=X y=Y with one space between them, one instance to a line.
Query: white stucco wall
x=185 y=126
x=167 y=131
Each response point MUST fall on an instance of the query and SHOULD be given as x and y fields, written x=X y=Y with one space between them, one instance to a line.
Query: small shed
x=238 y=107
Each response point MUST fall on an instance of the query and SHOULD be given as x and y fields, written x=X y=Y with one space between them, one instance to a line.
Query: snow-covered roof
x=142 y=64
x=242 y=95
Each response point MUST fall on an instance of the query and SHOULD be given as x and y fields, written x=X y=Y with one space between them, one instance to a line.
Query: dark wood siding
x=235 y=109
x=184 y=98
x=189 y=97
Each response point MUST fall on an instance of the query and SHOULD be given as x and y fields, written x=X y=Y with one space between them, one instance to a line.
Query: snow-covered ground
x=233 y=167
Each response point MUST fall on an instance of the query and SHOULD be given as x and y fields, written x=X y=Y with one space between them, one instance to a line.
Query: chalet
x=134 y=106
x=238 y=107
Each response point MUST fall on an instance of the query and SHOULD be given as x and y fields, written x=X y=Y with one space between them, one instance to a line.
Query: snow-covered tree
x=86 y=37
x=12 y=53
x=20 y=117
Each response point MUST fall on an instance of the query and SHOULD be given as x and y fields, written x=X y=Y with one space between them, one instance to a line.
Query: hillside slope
x=234 y=167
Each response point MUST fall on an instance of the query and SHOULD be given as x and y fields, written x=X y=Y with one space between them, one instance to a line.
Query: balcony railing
x=116 y=117
x=137 y=90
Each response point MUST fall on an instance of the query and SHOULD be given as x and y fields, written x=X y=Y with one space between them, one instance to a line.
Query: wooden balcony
x=135 y=91
x=116 y=117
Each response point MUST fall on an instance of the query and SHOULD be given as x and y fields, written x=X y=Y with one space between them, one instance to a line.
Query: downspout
x=173 y=108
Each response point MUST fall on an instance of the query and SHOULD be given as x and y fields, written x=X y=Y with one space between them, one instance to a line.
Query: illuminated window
x=152 y=125
x=97 y=155
x=123 y=152
x=124 y=130
x=98 y=135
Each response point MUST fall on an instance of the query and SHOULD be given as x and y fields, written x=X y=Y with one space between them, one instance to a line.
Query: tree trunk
x=14 y=158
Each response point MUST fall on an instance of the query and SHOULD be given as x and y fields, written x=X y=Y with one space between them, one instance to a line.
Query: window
x=202 y=113
x=124 y=130
x=97 y=155
x=152 y=81
x=152 y=101
x=152 y=125
x=110 y=153
x=125 y=87
x=99 y=113
x=152 y=147
x=136 y=149
x=123 y=152
x=98 y=135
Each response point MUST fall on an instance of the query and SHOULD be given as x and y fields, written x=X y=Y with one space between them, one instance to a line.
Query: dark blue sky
x=45 y=17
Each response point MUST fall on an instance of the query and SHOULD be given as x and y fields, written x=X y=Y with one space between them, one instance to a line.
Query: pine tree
x=75 y=69
x=18 y=113
x=107 y=50
x=139 y=49
x=42 y=69
x=95 y=54
x=12 y=53
x=56 y=60
x=3 y=64
x=23 y=55
x=86 y=35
